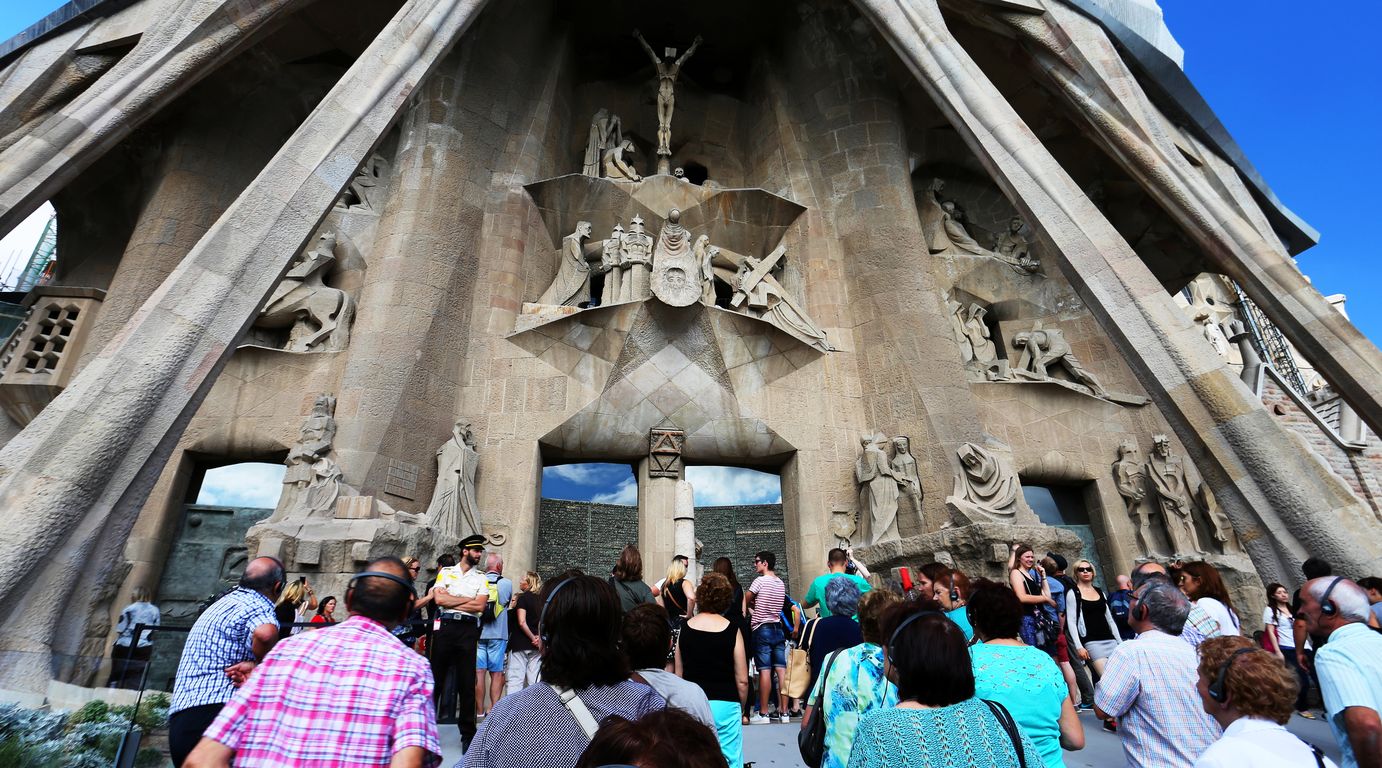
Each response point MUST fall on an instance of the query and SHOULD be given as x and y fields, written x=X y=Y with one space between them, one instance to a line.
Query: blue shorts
x=489 y=655
x=770 y=646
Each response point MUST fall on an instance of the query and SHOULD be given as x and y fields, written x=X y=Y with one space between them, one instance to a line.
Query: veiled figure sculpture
x=986 y=487
x=605 y=131
x=571 y=286
x=453 y=510
x=879 y=490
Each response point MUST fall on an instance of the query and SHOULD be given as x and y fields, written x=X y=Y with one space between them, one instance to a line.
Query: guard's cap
x=475 y=540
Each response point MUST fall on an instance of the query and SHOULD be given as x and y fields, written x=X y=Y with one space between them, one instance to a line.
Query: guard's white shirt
x=459 y=583
x=1249 y=742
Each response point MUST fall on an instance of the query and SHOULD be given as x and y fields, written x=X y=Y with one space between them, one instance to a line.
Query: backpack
x=495 y=607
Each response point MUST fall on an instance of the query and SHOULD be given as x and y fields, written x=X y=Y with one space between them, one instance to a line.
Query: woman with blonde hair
x=1093 y=632
x=295 y=604
x=525 y=647
x=679 y=598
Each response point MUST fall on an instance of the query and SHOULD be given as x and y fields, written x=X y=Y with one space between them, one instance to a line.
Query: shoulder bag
x=799 y=663
x=1006 y=720
x=811 y=739
x=580 y=711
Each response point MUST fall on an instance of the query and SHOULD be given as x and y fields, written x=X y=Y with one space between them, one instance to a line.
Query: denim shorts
x=489 y=655
x=770 y=646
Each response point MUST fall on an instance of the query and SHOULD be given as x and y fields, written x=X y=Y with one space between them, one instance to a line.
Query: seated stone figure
x=319 y=315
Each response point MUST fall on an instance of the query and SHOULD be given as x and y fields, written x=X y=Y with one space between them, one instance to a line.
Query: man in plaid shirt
x=1149 y=684
x=348 y=695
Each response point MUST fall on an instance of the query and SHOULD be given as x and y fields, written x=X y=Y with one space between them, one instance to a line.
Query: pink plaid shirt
x=348 y=695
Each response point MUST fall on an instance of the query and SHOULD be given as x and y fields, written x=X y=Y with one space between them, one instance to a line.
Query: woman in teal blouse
x=939 y=721
x=1022 y=678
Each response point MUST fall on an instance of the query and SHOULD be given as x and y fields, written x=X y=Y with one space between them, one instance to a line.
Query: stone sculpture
x=676 y=276
x=878 y=490
x=453 y=510
x=904 y=466
x=705 y=254
x=364 y=189
x=312 y=448
x=612 y=265
x=319 y=316
x=759 y=294
x=1130 y=476
x=1212 y=332
x=571 y=286
x=606 y=131
x=636 y=257
x=980 y=338
x=666 y=96
x=1044 y=350
x=986 y=487
x=1015 y=250
x=617 y=166
x=1172 y=490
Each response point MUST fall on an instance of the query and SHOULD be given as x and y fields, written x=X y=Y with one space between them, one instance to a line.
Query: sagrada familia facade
x=925 y=260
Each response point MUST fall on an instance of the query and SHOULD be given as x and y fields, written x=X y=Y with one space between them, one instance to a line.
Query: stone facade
x=884 y=220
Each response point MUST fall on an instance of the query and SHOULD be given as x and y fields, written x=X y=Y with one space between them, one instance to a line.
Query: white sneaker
x=784 y=718
x=759 y=719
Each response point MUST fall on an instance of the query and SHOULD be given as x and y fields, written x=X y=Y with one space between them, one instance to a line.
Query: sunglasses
x=1083 y=569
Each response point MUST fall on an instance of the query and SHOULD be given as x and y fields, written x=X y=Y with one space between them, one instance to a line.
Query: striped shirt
x=219 y=639
x=347 y=695
x=1350 y=670
x=771 y=594
x=1149 y=685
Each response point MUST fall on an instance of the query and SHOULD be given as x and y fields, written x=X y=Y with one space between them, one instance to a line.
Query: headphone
x=408 y=585
x=541 y=626
x=1218 y=690
x=954 y=593
x=1327 y=606
x=892 y=641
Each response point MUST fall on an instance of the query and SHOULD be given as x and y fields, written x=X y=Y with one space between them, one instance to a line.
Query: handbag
x=1000 y=712
x=799 y=664
x=811 y=739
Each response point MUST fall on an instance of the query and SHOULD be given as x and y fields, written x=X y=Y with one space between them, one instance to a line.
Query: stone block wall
x=1361 y=469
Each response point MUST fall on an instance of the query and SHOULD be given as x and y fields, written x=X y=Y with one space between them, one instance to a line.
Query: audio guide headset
x=954 y=593
x=541 y=619
x=412 y=592
x=1327 y=606
x=892 y=641
x=1218 y=690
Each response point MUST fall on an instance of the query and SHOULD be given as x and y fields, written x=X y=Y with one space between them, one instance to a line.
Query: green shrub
x=91 y=712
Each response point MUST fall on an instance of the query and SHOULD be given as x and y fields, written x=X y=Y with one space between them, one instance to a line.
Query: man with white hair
x=494 y=636
x=1349 y=666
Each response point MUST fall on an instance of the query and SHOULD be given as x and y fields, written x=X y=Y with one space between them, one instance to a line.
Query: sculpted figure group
x=943 y=227
x=883 y=481
x=1160 y=492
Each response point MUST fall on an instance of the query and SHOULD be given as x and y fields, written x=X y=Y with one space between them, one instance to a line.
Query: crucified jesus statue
x=666 y=98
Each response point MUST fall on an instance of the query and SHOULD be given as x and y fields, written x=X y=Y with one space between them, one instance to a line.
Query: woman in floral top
x=856 y=683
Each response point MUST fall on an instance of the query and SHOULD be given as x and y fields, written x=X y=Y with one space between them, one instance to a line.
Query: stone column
x=684 y=526
x=657 y=528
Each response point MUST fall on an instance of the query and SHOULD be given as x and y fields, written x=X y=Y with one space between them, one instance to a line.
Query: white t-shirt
x=1228 y=622
x=1284 y=629
x=1252 y=743
x=458 y=583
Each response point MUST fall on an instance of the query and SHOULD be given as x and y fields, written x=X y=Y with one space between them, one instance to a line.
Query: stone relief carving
x=664 y=451
x=879 y=490
x=1177 y=498
x=619 y=167
x=904 y=466
x=676 y=276
x=667 y=74
x=758 y=294
x=1130 y=476
x=312 y=481
x=942 y=225
x=319 y=316
x=986 y=487
x=453 y=509
x=1015 y=250
x=612 y=266
x=1219 y=524
x=571 y=286
x=606 y=132
x=1045 y=350
x=365 y=191
x=1173 y=495
x=636 y=260
x=705 y=254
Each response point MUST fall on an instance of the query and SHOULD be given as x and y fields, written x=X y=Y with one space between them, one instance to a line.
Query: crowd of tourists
x=927 y=667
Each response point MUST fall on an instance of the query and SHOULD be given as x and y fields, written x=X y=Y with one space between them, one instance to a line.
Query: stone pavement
x=775 y=745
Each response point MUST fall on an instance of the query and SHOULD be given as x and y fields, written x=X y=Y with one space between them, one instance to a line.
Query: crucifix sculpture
x=666 y=97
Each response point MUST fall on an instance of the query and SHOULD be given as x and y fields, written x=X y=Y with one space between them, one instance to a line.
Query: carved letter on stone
x=571 y=286
x=879 y=489
x=319 y=315
x=605 y=132
x=453 y=511
x=1174 y=498
x=986 y=487
x=1129 y=474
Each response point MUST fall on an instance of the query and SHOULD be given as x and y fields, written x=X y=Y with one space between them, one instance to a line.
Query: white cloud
x=730 y=486
x=626 y=494
x=585 y=474
x=243 y=485
x=18 y=243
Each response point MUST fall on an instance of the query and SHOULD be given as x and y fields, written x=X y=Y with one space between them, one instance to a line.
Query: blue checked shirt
x=1149 y=685
x=1350 y=670
x=219 y=639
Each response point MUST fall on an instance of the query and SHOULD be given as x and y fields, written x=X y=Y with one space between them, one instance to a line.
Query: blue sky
x=614 y=484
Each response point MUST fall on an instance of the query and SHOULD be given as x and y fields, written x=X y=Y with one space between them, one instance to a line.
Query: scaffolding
x=1270 y=344
x=40 y=267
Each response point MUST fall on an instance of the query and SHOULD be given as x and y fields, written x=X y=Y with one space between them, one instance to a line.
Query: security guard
x=461 y=593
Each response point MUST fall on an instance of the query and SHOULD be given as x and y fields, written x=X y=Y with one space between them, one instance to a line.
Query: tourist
x=836 y=631
x=711 y=655
x=678 y=596
x=927 y=659
x=1199 y=624
x=1349 y=667
x=326 y=612
x=1149 y=684
x=735 y=612
x=1312 y=568
x=352 y=696
x=666 y=738
x=1201 y=582
x=227 y=640
x=1093 y=631
x=922 y=586
x=1118 y=601
x=491 y=652
x=855 y=683
x=1072 y=668
x=1028 y=581
x=835 y=563
x=627 y=579
x=416 y=626
x=952 y=592
x=128 y=658
x=657 y=588
x=1278 y=637
x=298 y=603
x=646 y=639
x=525 y=658
x=1373 y=586
x=461 y=594
x=766 y=598
x=1250 y=695
x=1022 y=678
x=579 y=629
